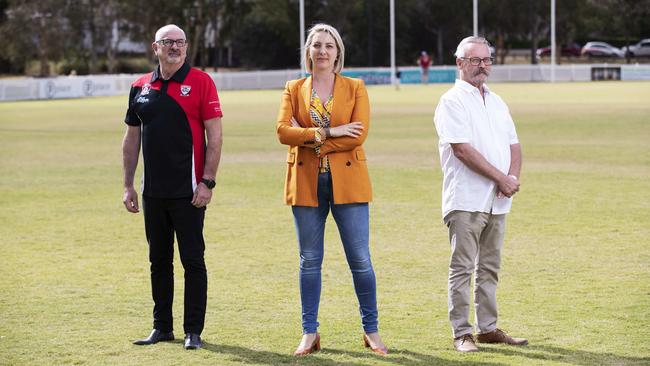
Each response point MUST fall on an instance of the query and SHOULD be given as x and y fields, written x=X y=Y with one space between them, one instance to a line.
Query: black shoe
x=155 y=337
x=193 y=341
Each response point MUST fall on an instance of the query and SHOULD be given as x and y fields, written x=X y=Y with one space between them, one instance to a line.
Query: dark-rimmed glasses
x=170 y=42
x=475 y=61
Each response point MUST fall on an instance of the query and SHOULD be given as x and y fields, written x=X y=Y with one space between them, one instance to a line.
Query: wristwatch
x=208 y=183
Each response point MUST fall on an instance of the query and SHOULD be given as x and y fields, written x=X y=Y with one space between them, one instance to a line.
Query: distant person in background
x=324 y=118
x=170 y=112
x=425 y=62
x=480 y=158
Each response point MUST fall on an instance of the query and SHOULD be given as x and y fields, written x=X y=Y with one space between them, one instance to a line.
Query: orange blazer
x=350 y=180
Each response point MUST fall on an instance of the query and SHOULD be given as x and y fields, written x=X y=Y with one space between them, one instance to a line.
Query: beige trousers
x=476 y=239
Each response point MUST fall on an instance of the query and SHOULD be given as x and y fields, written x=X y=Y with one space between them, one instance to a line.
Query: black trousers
x=163 y=217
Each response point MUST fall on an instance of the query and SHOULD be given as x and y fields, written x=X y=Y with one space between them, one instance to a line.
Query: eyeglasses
x=475 y=61
x=170 y=42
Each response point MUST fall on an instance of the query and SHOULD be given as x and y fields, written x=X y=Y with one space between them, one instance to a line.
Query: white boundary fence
x=105 y=85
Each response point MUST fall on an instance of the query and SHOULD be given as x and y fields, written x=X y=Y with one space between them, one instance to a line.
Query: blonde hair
x=338 y=63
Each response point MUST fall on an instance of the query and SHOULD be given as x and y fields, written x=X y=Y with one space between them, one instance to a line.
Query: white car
x=601 y=49
x=641 y=49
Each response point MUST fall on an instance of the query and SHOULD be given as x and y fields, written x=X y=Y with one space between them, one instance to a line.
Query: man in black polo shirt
x=171 y=111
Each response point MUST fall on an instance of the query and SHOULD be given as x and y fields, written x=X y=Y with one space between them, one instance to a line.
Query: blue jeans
x=352 y=221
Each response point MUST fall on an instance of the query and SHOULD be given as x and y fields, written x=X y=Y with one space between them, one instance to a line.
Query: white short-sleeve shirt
x=463 y=117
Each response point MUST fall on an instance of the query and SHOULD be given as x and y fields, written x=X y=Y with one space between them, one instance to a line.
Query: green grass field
x=74 y=279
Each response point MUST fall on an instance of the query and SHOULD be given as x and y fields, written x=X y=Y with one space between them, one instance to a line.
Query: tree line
x=264 y=34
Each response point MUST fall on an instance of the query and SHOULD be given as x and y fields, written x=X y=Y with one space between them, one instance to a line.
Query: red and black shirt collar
x=178 y=76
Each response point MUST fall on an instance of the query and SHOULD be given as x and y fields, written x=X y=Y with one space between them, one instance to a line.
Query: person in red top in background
x=424 y=61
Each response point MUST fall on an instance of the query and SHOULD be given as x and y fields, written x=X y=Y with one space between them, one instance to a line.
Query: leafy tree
x=39 y=30
x=437 y=25
x=100 y=29
x=230 y=20
x=502 y=23
x=268 y=36
x=5 y=62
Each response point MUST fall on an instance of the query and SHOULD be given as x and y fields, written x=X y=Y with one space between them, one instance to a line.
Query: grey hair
x=160 y=32
x=460 y=50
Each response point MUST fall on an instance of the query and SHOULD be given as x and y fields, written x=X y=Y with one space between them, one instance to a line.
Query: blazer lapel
x=305 y=93
x=339 y=95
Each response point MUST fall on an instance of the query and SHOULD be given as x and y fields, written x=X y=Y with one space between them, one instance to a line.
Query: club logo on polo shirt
x=185 y=90
x=145 y=89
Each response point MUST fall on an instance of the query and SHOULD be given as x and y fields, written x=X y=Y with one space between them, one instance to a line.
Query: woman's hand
x=352 y=129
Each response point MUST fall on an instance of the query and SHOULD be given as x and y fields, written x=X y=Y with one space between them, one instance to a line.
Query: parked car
x=571 y=50
x=641 y=49
x=601 y=49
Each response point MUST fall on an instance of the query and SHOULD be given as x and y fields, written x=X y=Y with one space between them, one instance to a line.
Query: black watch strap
x=208 y=183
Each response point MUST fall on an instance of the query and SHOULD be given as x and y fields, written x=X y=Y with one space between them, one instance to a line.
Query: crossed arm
x=344 y=137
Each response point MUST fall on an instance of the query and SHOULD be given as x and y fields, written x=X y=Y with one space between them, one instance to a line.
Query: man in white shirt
x=480 y=157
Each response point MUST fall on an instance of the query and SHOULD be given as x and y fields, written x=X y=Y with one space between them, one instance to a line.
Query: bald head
x=171 y=55
x=169 y=28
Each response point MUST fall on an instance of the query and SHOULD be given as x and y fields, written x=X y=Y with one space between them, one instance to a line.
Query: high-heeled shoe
x=315 y=346
x=382 y=351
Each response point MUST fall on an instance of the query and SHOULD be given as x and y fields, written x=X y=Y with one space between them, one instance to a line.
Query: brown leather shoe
x=382 y=351
x=465 y=343
x=315 y=346
x=499 y=336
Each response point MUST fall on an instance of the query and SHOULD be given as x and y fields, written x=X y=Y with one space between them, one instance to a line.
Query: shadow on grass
x=566 y=355
x=406 y=357
x=398 y=357
x=250 y=356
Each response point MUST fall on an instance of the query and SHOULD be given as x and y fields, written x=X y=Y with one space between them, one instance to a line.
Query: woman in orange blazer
x=324 y=119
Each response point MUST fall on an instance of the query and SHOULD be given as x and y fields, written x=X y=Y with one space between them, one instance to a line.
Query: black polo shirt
x=171 y=113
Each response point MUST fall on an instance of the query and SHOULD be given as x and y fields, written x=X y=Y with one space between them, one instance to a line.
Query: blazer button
x=300 y=163
x=348 y=163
